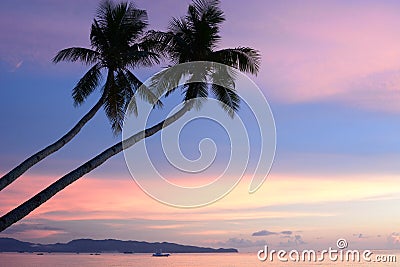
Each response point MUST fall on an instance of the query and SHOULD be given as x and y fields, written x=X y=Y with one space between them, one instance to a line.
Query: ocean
x=175 y=260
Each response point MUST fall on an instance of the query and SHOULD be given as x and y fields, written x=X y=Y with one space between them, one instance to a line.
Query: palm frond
x=135 y=20
x=227 y=97
x=121 y=22
x=86 y=55
x=123 y=84
x=204 y=18
x=167 y=80
x=131 y=106
x=179 y=25
x=195 y=90
x=193 y=15
x=209 y=11
x=98 y=39
x=135 y=57
x=196 y=87
x=87 y=84
x=115 y=103
x=104 y=12
x=245 y=59
x=155 y=42
x=223 y=75
x=195 y=93
x=142 y=90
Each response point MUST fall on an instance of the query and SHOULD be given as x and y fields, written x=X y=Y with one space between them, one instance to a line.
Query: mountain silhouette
x=105 y=246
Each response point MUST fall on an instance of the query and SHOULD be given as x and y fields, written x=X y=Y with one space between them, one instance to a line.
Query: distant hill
x=104 y=246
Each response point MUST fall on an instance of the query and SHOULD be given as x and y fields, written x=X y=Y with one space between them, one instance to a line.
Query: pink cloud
x=122 y=199
x=118 y=208
x=318 y=50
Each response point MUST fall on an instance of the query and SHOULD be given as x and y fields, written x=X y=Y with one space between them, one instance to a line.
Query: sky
x=331 y=74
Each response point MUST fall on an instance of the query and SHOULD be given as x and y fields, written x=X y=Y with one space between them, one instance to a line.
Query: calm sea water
x=175 y=260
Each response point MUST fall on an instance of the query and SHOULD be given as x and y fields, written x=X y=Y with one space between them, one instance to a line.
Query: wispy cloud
x=17 y=65
x=310 y=55
x=24 y=227
x=267 y=233
x=168 y=226
x=31 y=231
x=263 y=233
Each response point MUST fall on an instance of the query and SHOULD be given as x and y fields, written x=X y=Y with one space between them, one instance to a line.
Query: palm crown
x=116 y=47
x=195 y=37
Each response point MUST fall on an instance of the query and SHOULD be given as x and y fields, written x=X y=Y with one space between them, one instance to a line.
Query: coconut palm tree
x=195 y=37
x=191 y=38
x=116 y=47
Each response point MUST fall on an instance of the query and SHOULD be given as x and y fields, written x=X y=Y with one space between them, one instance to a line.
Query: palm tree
x=116 y=47
x=195 y=38
x=191 y=38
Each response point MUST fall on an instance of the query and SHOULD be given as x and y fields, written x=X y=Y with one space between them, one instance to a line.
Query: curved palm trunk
x=12 y=175
x=40 y=198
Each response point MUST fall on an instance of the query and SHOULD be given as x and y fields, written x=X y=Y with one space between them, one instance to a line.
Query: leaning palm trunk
x=12 y=175
x=40 y=198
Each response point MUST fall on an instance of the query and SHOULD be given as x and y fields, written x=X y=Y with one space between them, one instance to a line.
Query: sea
x=174 y=260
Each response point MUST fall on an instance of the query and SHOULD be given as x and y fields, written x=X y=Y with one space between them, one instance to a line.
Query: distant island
x=105 y=246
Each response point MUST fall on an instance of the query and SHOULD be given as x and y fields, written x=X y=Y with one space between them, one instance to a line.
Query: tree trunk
x=27 y=207
x=12 y=175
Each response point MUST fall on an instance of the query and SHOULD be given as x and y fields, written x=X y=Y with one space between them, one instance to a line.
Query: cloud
x=241 y=243
x=267 y=233
x=293 y=241
x=17 y=65
x=167 y=226
x=394 y=240
x=287 y=232
x=314 y=56
x=360 y=235
x=25 y=227
x=377 y=91
x=264 y=233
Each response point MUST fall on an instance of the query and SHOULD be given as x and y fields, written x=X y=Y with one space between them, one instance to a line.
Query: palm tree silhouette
x=191 y=38
x=195 y=37
x=116 y=47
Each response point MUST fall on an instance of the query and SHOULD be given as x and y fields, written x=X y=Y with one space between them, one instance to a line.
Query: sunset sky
x=331 y=73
